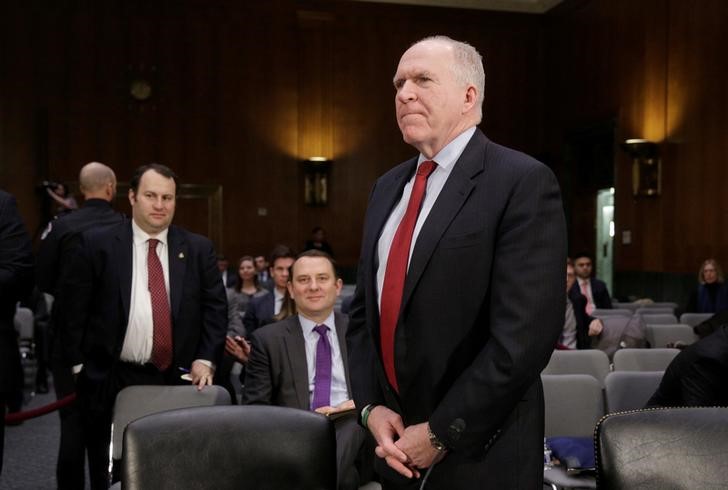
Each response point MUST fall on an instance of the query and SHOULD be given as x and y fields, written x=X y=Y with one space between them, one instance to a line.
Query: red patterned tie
x=392 y=289
x=162 y=336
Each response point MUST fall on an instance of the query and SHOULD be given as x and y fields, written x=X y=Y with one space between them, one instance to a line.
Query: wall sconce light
x=316 y=176
x=646 y=167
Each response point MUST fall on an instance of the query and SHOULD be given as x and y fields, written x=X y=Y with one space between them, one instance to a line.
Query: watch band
x=434 y=441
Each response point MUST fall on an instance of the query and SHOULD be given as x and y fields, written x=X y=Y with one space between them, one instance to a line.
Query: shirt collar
x=141 y=236
x=308 y=325
x=447 y=157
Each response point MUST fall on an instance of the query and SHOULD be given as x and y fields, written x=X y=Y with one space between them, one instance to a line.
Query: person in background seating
x=301 y=362
x=711 y=295
x=579 y=328
x=594 y=290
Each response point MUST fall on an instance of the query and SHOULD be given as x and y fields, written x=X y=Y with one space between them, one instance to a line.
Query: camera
x=49 y=184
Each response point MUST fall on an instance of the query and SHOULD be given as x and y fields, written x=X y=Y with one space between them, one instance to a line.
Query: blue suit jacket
x=97 y=299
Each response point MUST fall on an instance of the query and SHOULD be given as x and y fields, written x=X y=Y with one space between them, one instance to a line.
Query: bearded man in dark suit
x=460 y=290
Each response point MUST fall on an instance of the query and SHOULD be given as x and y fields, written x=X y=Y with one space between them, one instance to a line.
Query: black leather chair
x=663 y=449
x=233 y=447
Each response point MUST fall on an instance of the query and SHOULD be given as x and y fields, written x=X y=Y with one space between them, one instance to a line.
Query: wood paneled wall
x=656 y=67
x=242 y=92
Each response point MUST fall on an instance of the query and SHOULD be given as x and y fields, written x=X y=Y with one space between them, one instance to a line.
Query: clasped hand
x=405 y=450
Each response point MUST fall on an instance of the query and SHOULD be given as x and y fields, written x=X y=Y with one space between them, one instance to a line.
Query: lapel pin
x=181 y=255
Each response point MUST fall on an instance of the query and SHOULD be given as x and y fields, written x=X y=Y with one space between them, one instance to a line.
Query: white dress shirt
x=339 y=391
x=278 y=300
x=445 y=159
x=137 y=346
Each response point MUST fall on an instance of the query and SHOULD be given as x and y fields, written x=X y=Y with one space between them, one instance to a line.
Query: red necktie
x=393 y=287
x=161 y=316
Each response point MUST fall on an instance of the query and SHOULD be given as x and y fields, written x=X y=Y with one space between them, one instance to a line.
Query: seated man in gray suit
x=301 y=362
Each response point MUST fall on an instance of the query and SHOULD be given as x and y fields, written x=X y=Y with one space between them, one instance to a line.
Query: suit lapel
x=458 y=187
x=177 y=256
x=125 y=252
x=341 y=323
x=295 y=346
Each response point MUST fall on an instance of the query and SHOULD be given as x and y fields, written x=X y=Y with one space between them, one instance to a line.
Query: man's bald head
x=97 y=181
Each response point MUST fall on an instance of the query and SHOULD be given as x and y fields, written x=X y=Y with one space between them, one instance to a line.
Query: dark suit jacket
x=260 y=312
x=578 y=301
x=698 y=376
x=231 y=280
x=16 y=281
x=276 y=373
x=98 y=298
x=600 y=294
x=62 y=237
x=482 y=309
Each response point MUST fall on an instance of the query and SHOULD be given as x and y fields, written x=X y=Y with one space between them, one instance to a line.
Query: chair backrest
x=237 y=447
x=643 y=359
x=661 y=335
x=573 y=404
x=600 y=312
x=134 y=402
x=693 y=319
x=590 y=361
x=626 y=306
x=620 y=332
x=630 y=390
x=659 y=318
x=654 y=311
x=24 y=322
x=663 y=448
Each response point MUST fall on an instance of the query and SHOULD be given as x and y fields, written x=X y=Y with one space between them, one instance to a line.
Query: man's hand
x=201 y=374
x=238 y=347
x=342 y=407
x=595 y=327
x=386 y=426
x=416 y=444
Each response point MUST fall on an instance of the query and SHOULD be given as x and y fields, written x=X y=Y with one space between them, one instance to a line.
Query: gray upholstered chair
x=658 y=449
x=590 y=361
x=601 y=312
x=643 y=359
x=662 y=335
x=693 y=319
x=658 y=318
x=235 y=447
x=573 y=406
x=134 y=402
x=630 y=390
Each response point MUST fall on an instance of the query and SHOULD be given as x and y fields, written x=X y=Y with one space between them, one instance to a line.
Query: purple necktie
x=322 y=377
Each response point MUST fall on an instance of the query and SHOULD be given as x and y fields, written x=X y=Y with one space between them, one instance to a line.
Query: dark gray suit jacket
x=482 y=308
x=276 y=373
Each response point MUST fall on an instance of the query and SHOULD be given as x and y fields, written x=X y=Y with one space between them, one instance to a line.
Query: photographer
x=59 y=193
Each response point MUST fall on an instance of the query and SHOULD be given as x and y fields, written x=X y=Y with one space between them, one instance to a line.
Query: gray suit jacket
x=276 y=373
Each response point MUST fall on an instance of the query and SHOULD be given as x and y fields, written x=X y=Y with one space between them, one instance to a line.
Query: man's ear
x=471 y=97
x=132 y=197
